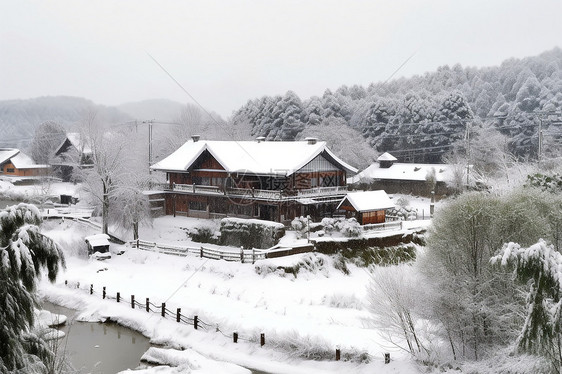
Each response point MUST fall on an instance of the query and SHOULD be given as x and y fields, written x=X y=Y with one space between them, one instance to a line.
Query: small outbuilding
x=366 y=206
x=97 y=243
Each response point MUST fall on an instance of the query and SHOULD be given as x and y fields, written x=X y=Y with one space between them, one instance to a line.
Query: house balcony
x=257 y=194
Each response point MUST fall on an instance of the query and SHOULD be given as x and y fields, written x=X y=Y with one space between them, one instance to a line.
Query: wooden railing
x=243 y=255
x=258 y=193
x=322 y=191
x=394 y=225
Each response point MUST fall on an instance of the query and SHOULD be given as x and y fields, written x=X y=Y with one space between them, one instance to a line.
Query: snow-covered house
x=274 y=181
x=409 y=178
x=97 y=243
x=17 y=164
x=73 y=152
x=366 y=206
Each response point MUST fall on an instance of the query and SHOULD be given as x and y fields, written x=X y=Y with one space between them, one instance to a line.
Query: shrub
x=250 y=233
x=203 y=235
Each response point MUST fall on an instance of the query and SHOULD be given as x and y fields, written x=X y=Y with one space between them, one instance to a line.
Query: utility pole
x=150 y=122
x=467 y=137
x=539 y=156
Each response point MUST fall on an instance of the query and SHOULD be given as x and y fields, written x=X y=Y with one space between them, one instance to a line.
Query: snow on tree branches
x=539 y=266
x=24 y=253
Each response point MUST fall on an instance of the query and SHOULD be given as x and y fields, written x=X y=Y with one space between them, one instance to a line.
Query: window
x=10 y=170
x=197 y=205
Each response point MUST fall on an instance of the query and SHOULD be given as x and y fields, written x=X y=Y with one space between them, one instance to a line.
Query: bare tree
x=47 y=137
x=393 y=295
x=108 y=152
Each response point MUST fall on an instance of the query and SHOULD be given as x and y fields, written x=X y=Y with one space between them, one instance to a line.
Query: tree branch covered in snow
x=24 y=252
x=540 y=267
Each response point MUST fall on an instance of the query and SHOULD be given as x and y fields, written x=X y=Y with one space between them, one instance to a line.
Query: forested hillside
x=423 y=117
x=19 y=118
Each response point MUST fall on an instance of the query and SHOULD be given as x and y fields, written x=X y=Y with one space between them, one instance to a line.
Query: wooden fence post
x=195 y=322
x=133 y=301
x=118 y=296
x=66 y=282
x=103 y=293
x=242 y=254
x=338 y=353
x=387 y=358
x=163 y=309
x=235 y=336
x=77 y=284
x=201 y=251
x=253 y=255
x=147 y=305
x=178 y=315
x=262 y=339
x=91 y=289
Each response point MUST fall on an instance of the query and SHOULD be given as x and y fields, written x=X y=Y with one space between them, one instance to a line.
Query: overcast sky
x=226 y=52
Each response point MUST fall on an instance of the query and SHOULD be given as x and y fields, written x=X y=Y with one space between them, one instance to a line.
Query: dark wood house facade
x=274 y=181
x=13 y=163
x=367 y=207
x=74 y=152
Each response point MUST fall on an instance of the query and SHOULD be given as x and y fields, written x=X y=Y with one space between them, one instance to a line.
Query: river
x=93 y=347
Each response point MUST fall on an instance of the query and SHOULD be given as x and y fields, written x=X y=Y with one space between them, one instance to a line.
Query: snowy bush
x=381 y=256
x=344 y=301
x=312 y=347
x=402 y=202
x=308 y=347
x=348 y=227
x=311 y=263
x=403 y=213
x=341 y=264
x=204 y=234
x=505 y=362
x=550 y=183
x=299 y=223
x=250 y=233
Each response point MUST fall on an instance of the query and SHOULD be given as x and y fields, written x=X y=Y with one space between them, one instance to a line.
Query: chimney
x=195 y=138
x=311 y=140
x=260 y=139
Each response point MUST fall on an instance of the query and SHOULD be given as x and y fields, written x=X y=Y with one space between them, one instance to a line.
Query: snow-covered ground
x=318 y=309
x=11 y=191
x=303 y=313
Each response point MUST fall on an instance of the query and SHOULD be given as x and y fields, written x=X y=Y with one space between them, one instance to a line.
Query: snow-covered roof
x=23 y=161
x=97 y=240
x=76 y=141
x=264 y=158
x=366 y=201
x=406 y=172
x=386 y=157
x=7 y=153
x=80 y=144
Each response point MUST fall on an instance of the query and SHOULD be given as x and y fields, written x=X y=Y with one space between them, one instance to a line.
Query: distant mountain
x=159 y=109
x=18 y=118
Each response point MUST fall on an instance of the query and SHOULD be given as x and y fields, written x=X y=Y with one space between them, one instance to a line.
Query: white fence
x=243 y=255
x=386 y=226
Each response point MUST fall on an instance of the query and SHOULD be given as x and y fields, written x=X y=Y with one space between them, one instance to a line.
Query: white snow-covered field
x=318 y=309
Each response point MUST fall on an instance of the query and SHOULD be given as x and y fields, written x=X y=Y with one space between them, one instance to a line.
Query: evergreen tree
x=24 y=253
x=539 y=267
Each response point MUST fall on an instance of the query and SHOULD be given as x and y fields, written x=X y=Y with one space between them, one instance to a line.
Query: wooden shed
x=97 y=243
x=366 y=206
